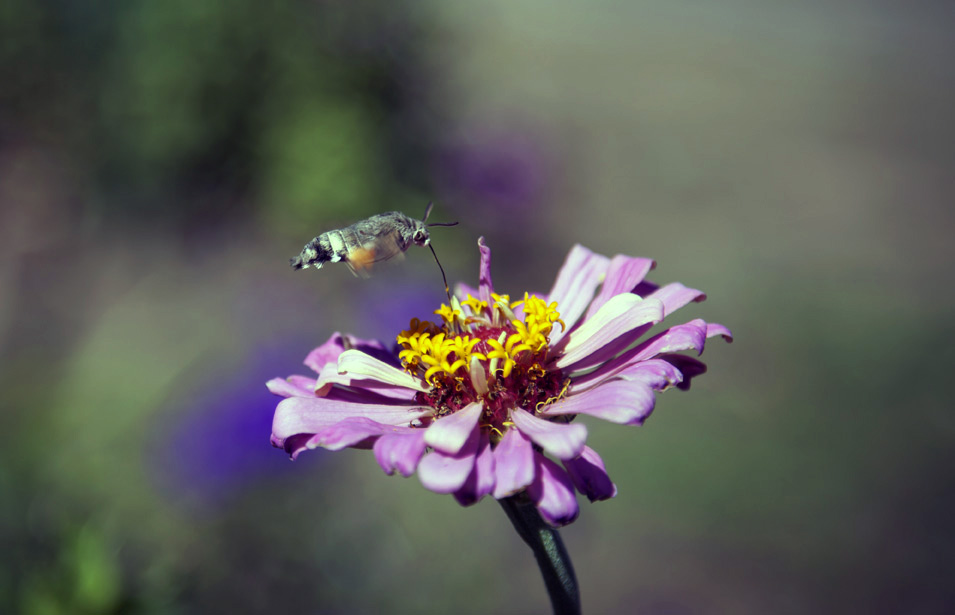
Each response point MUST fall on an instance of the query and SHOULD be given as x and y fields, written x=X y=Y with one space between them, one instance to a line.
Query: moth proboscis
x=369 y=241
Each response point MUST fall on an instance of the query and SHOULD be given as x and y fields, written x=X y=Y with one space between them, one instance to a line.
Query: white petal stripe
x=619 y=315
x=357 y=363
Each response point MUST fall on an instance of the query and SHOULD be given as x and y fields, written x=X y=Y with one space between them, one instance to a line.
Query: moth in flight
x=369 y=241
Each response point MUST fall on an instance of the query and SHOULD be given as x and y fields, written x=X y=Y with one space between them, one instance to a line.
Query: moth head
x=420 y=236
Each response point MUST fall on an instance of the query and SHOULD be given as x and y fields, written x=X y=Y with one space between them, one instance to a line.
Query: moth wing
x=375 y=250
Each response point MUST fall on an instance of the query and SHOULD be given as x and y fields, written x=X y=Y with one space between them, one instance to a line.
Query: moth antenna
x=447 y=289
x=442 y=224
x=427 y=211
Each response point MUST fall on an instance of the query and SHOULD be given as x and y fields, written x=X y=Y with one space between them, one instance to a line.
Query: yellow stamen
x=437 y=353
x=477 y=306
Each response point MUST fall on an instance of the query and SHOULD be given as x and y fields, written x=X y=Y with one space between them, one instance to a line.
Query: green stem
x=548 y=548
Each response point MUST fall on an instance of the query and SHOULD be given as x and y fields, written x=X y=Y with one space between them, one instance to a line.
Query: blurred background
x=160 y=162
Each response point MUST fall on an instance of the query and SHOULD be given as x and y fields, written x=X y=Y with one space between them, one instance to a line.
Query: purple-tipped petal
x=481 y=480
x=326 y=353
x=443 y=473
x=688 y=336
x=617 y=321
x=657 y=373
x=590 y=476
x=617 y=401
x=308 y=415
x=286 y=388
x=513 y=464
x=449 y=433
x=645 y=288
x=485 y=286
x=675 y=295
x=400 y=451
x=690 y=367
x=351 y=432
x=562 y=440
x=713 y=329
x=623 y=275
x=293 y=445
x=553 y=493
x=574 y=287
x=356 y=363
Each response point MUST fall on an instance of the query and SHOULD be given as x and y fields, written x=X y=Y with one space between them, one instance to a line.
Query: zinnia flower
x=484 y=401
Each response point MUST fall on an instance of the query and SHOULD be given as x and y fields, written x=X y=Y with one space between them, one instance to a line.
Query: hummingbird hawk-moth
x=369 y=241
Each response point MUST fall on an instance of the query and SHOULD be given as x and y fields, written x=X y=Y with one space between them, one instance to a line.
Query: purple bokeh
x=407 y=299
x=503 y=173
x=218 y=444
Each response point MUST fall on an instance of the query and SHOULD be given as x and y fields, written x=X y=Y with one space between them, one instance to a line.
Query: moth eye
x=419 y=236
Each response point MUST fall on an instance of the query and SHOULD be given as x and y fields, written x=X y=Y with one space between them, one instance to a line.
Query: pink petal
x=689 y=367
x=400 y=451
x=303 y=382
x=326 y=353
x=330 y=376
x=373 y=348
x=645 y=288
x=338 y=343
x=713 y=329
x=618 y=321
x=293 y=445
x=688 y=336
x=618 y=401
x=462 y=290
x=351 y=432
x=356 y=363
x=553 y=493
x=513 y=464
x=576 y=282
x=589 y=476
x=449 y=433
x=308 y=415
x=675 y=295
x=481 y=480
x=562 y=440
x=485 y=286
x=443 y=473
x=623 y=274
x=657 y=373
x=285 y=388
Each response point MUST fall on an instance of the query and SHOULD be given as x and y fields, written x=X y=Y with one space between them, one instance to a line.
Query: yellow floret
x=440 y=352
x=477 y=306
x=447 y=313
x=417 y=327
x=498 y=353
